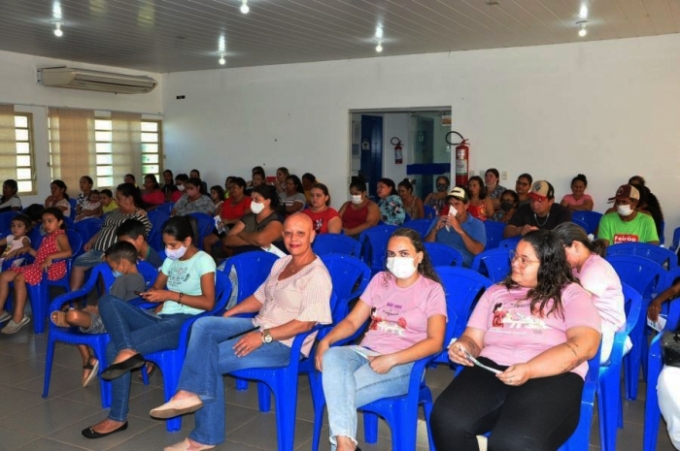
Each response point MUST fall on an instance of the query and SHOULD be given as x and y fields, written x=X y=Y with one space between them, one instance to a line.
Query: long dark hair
x=406 y=183
x=61 y=185
x=554 y=273
x=13 y=185
x=268 y=192
x=390 y=184
x=57 y=213
x=425 y=267
x=358 y=183
x=198 y=183
x=153 y=180
x=130 y=190
x=296 y=181
x=181 y=228
x=324 y=190
x=568 y=232
x=482 y=186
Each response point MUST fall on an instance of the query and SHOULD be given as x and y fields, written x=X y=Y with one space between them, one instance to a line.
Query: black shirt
x=524 y=215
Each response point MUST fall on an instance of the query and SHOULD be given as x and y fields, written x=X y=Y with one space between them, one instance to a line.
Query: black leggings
x=541 y=414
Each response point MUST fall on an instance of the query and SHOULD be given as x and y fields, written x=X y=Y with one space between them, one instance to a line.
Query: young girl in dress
x=54 y=246
x=17 y=243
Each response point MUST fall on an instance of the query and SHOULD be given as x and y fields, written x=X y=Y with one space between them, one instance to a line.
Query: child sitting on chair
x=17 y=244
x=122 y=258
x=91 y=208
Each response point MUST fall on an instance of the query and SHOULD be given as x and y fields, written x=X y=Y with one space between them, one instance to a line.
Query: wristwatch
x=266 y=336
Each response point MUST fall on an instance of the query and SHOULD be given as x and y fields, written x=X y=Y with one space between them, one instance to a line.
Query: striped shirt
x=304 y=296
x=107 y=235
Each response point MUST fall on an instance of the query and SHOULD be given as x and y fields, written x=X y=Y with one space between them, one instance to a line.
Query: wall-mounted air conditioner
x=90 y=80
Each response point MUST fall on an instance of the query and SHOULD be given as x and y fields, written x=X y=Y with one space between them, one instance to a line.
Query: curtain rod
x=74 y=108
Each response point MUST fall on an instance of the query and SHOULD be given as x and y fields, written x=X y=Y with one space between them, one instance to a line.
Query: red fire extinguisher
x=398 y=155
x=462 y=158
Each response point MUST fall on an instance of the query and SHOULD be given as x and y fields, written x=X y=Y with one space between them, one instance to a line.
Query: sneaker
x=12 y=327
x=5 y=316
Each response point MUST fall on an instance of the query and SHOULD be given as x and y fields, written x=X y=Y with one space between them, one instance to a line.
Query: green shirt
x=615 y=230
x=185 y=277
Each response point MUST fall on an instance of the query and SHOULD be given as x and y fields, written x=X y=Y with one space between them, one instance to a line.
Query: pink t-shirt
x=399 y=315
x=512 y=334
x=569 y=199
x=600 y=279
x=304 y=296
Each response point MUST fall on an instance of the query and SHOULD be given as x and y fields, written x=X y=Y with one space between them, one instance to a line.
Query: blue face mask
x=116 y=274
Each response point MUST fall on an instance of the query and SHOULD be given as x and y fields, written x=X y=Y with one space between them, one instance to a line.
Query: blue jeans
x=131 y=327
x=210 y=355
x=349 y=382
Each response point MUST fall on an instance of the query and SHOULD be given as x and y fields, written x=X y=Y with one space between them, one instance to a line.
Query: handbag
x=670 y=348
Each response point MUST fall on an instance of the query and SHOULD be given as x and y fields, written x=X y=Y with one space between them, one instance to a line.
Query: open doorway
x=421 y=133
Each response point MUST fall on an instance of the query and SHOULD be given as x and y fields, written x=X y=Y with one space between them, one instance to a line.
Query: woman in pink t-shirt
x=578 y=199
x=535 y=331
x=407 y=309
x=599 y=278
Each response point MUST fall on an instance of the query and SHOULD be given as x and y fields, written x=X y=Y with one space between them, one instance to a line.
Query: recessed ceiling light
x=582 y=28
x=222 y=60
x=379 y=47
x=57 y=31
x=244 y=7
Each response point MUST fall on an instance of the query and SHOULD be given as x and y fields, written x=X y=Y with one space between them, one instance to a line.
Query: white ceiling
x=183 y=35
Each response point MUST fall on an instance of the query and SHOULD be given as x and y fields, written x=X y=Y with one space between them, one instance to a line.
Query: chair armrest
x=60 y=300
x=418 y=372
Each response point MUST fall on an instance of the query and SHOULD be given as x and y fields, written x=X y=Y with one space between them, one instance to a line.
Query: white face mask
x=180 y=187
x=624 y=210
x=452 y=211
x=256 y=207
x=175 y=254
x=356 y=199
x=401 y=267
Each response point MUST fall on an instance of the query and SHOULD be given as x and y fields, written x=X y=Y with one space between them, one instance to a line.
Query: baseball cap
x=626 y=192
x=459 y=193
x=542 y=190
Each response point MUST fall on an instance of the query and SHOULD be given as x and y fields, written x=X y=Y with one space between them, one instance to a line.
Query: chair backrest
x=509 y=243
x=374 y=245
x=75 y=241
x=642 y=274
x=6 y=220
x=660 y=255
x=430 y=212
x=494 y=233
x=591 y=218
x=148 y=272
x=35 y=237
x=206 y=224
x=165 y=208
x=74 y=205
x=252 y=269
x=676 y=239
x=68 y=223
x=584 y=225
x=87 y=228
x=350 y=277
x=419 y=225
x=662 y=233
x=443 y=255
x=462 y=288
x=335 y=243
x=157 y=218
x=633 y=305
x=493 y=263
x=222 y=292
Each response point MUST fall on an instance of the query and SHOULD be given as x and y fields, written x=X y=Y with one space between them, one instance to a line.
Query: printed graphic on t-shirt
x=625 y=238
x=318 y=223
x=389 y=322
x=503 y=317
x=178 y=275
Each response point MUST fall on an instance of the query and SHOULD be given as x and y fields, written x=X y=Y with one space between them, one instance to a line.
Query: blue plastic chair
x=6 y=220
x=662 y=256
x=493 y=263
x=419 y=225
x=157 y=219
x=170 y=361
x=430 y=213
x=282 y=382
x=74 y=205
x=252 y=269
x=644 y=276
x=463 y=287
x=655 y=364
x=443 y=255
x=166 y=208
x=610 y=405
x=206 y=224
x=662 y=233
x=494 y=233
x=509 y=243
x=350 y=276
x=335 y=243
x=73 y=335
x=87 y=228
x=582 y=224
x=676 y=239
x=374 y=246
x=591 y=218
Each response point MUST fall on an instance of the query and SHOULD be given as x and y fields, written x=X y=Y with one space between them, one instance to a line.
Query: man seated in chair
x=541 y=213
x=294 y=298
x=626 y=224
x=458 y=229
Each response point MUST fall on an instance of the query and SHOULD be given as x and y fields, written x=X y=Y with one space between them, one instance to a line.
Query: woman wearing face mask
x=509 y=201
x=185 y=287
x=407 y=308
x=260 y=229
x=437 y=199
x=360 y=213
x=193 y=200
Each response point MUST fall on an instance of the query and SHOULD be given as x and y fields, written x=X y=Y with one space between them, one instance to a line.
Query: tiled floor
x=29 y=422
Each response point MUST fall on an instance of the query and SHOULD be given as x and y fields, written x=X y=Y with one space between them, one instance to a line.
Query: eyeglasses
x=523 y=261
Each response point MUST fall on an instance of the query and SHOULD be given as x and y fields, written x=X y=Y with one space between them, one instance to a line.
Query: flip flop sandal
x=59 y=319
x=94 y=369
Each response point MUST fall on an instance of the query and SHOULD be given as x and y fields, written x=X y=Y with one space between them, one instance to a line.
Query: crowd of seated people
x=283 y=216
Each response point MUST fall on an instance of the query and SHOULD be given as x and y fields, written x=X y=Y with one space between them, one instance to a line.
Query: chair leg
x=652 y=412
x=319 y=402
x=632 y=361
x=170 y=380
x=370 y=427
x=264 y=396
x=106 y=391
x=241 y=384
x=37 y=296
x=48 y=366
x=285 y=395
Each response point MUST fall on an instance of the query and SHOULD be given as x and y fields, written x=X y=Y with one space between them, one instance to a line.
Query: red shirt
x=154 y=198
x=230 y=211
x=321 y=219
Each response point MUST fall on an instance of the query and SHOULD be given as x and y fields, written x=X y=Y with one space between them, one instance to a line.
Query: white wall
x=19 y=87
x=396 y=124
x=608 y=109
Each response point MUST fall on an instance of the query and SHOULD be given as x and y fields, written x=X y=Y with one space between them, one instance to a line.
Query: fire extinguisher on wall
x=398 y=155
x=462 y=159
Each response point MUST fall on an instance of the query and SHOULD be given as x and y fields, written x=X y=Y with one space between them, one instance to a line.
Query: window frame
x=31 y=153
x=159 y=132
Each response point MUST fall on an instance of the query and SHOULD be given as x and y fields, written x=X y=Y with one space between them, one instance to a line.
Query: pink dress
x=33 y=273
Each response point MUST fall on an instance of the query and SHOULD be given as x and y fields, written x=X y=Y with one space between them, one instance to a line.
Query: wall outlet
x=504 y=175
